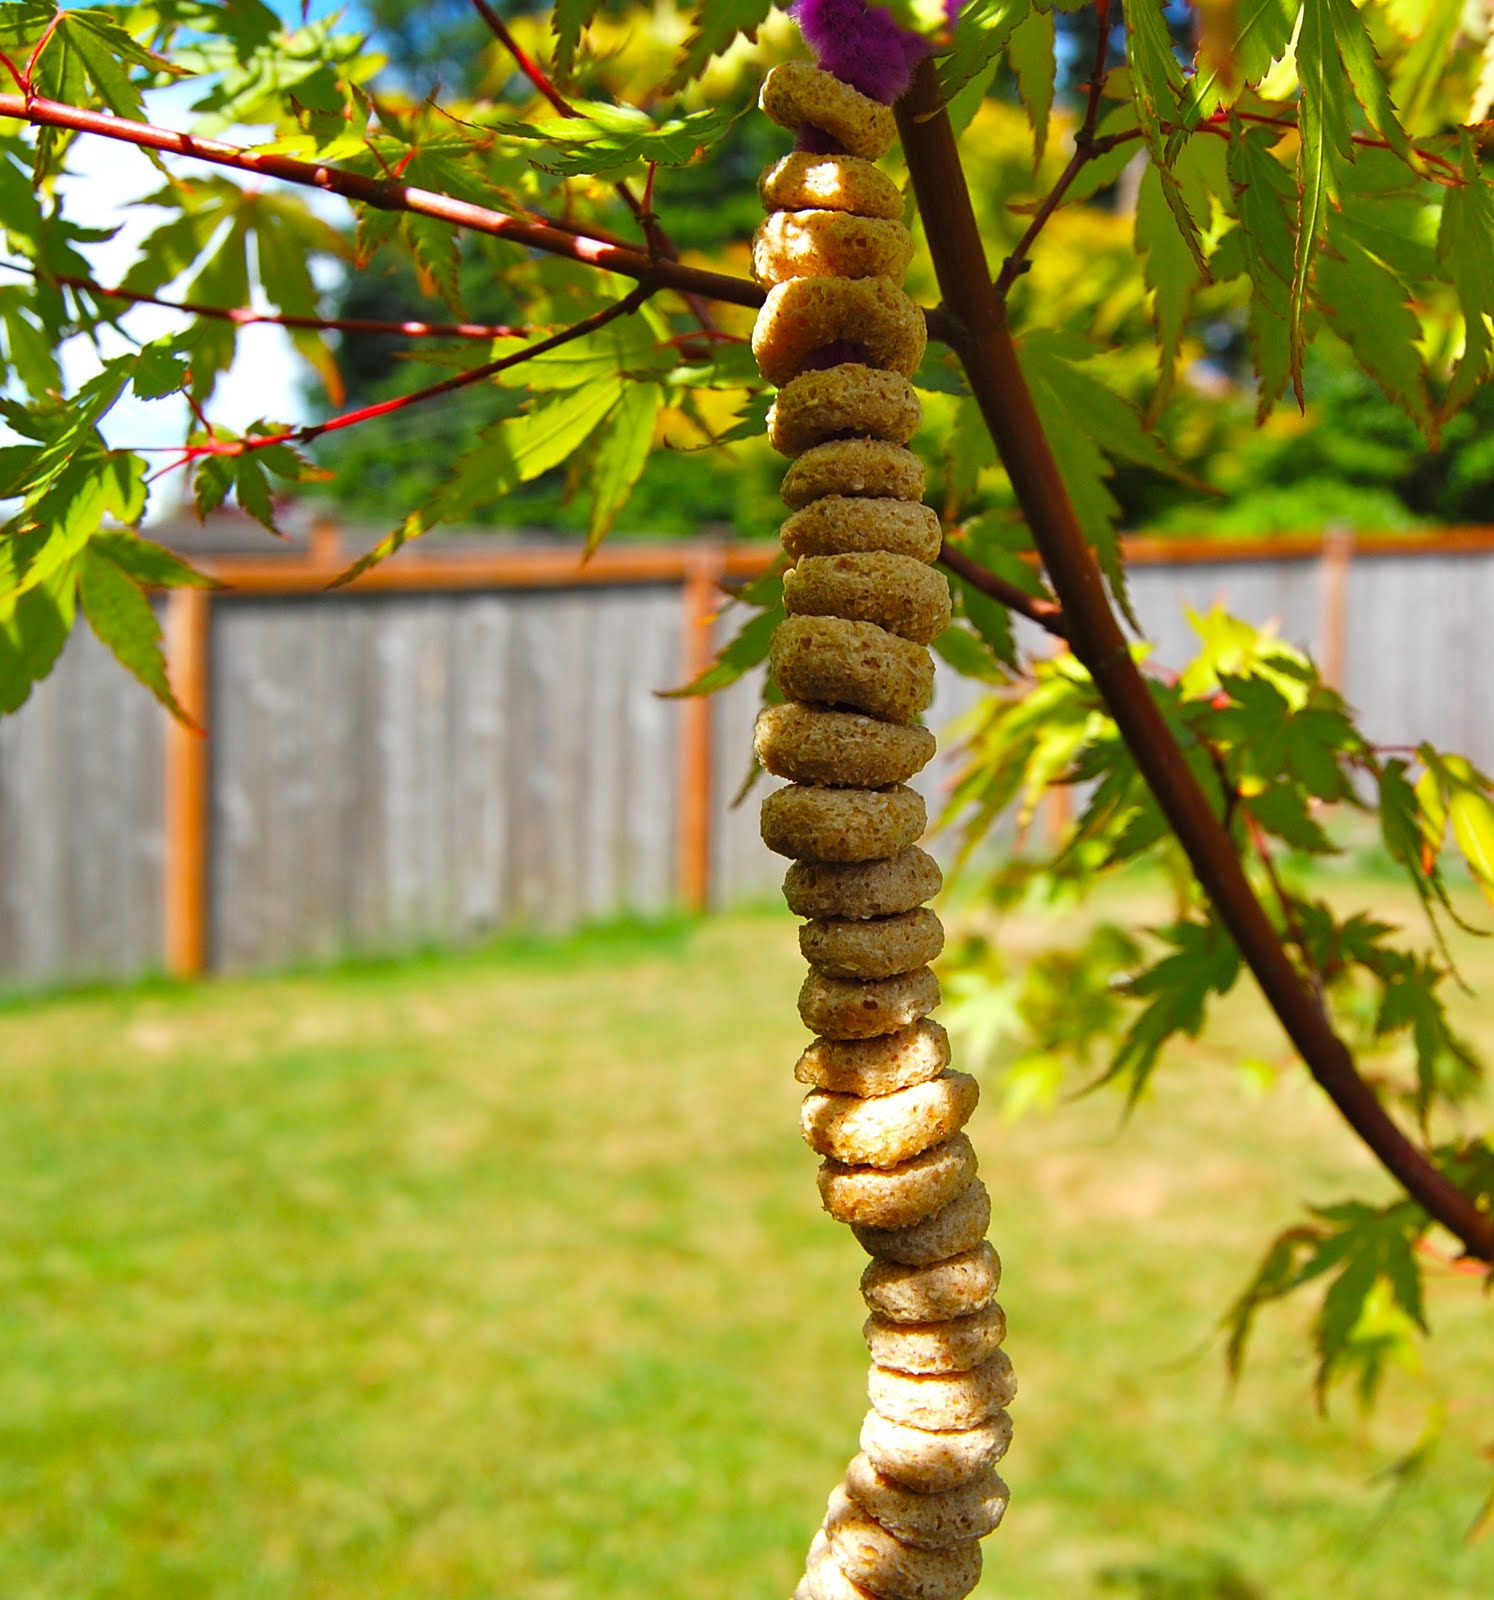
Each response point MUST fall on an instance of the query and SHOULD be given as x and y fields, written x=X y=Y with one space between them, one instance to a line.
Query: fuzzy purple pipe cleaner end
x=862 y=44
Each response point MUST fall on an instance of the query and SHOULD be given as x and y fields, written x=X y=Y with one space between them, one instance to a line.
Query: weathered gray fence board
x=80 y=824
x=428 y=766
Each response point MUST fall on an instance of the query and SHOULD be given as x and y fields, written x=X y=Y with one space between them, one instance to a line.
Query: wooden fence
x=470 y=739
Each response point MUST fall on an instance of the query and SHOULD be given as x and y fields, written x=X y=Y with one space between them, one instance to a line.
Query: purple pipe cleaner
x=863 y=46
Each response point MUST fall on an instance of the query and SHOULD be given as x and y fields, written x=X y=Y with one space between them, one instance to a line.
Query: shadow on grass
x=1185 y=1577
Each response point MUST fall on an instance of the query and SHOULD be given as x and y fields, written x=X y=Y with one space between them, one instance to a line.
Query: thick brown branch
x=1046 y=613
x=990 y=359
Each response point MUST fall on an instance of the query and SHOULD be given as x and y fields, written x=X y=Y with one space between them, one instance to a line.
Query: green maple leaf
x=509 y=452
x=568 y=19
x=1171 y=273
x=980 y=35
x=1465 y=248
x=1157 y=91
x=748 y=647
x=716 y=26
x=1204 y=962
x=619 y=455
x=1034 y=63
x=1367 y=304
x=1087 y=423
x=606 y=140
x=120 y=614
x=1240 y=54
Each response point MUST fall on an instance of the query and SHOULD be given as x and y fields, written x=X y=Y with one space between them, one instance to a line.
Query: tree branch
x=1046 y=613
x=243 y=318
x=389 y=194
x=659 y=242
x=990 y=360
x=462 y=380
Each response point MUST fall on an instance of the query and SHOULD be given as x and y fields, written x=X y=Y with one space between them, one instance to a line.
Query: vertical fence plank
x=1338 y=550
x=188 y=633
x=698 y=603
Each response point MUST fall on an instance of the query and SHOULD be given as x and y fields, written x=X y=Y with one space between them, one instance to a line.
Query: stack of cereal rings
x=840 y=339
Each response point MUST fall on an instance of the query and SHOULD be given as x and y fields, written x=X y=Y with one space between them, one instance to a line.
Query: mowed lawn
x=504 y=1276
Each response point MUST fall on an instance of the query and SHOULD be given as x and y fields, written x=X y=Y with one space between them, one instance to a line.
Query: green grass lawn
x=504 y=1277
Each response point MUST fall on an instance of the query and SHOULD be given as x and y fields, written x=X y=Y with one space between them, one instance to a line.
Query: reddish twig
x=990 y=361
x=284 y=319
x=386 y=194
x=462 y=380
x=1046 y=613
x=1431 y=157
x=16 y=75
x=1289 y=918
x=658 y=241
x=1086 y=148
x=40 y=45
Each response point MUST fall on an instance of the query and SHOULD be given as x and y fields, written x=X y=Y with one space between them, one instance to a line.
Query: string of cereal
x=840 y=339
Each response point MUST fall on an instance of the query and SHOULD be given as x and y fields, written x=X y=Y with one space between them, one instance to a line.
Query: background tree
x=1307 y=177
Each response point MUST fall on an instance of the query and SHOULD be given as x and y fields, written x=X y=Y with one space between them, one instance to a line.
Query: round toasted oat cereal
x=804 y=181
x=851 y=665
x=930 y=1462
x=953 y=1287
x=846 y=1008
x=878 y=1560
x=876 y=947
x=869 y=467
x=795 y=93
x=958 y=1345
x=896 y=1196
x=862 y=888
x=960 y=1226
x=842 y=524
x=812 y=745
x=842 y=824
x=932 y=1521
x=835 y=402
x=946 y=1400
x=884 y=1130
x=823 y=1579
x=801 y=316
x=871 y=1067
x=898 y=593
x=829 y=244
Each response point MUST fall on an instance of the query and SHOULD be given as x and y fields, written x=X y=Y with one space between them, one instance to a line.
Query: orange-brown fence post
x=1338 y=550
x=699 y=600
x=188 y=631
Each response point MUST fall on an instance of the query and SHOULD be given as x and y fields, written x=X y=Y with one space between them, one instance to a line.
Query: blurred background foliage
x=1351 y=459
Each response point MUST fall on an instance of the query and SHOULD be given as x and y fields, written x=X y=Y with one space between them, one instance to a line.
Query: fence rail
x=470 y=739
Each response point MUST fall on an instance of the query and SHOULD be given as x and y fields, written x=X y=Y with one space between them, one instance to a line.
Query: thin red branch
x=1046 y=613
x=991 y=365
x=658 y=241
x=284 y=319
x=386 y=194
x=1086 y=148
x=1289 y=918
x=522 y=59
x=462 y=380
x=16 y=75
x=1368 y=141
x=1097 y=73
x=40 y=45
